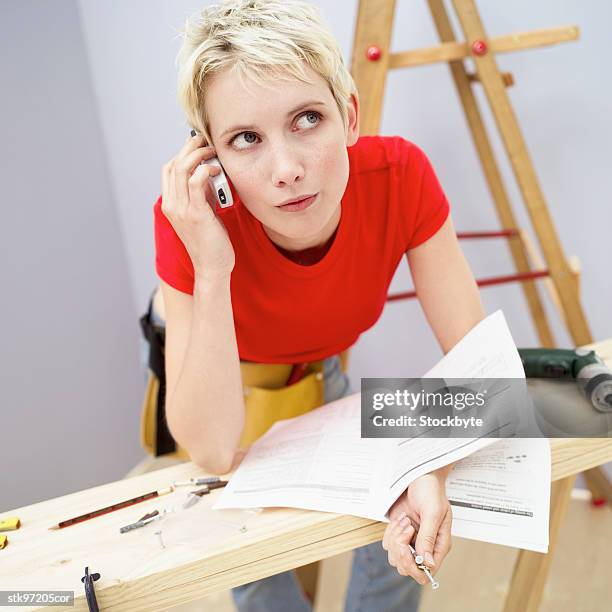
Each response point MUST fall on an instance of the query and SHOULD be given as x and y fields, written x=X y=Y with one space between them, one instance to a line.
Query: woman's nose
x=286 y=168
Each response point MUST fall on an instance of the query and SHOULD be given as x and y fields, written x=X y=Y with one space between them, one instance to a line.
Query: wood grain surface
x=205 y=550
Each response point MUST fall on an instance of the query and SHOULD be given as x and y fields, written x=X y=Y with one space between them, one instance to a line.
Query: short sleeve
x=426 y=207
x=172 y=261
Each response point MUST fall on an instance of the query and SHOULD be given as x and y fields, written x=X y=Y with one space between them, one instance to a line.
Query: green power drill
x=582 y=365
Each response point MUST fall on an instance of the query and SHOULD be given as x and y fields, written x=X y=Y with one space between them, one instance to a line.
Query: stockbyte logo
x=476 y=408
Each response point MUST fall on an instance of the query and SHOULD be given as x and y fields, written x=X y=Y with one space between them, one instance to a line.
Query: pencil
x=118 y=506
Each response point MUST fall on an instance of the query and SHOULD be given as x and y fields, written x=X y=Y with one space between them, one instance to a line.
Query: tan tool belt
x=267 y=397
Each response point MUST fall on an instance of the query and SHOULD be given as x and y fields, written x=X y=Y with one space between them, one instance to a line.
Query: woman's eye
x=311 y=119
x=249 y=139
x=308 y=116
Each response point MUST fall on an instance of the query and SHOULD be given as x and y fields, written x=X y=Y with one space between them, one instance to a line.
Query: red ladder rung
x=483 y=282
x=509 y=233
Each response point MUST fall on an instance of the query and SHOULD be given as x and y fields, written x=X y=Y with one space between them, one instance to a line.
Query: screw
x=434 y=583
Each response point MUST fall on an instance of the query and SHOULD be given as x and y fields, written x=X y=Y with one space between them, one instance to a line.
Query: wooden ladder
x=371 y=60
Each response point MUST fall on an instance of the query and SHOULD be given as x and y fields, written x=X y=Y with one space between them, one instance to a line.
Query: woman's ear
x=352 y=130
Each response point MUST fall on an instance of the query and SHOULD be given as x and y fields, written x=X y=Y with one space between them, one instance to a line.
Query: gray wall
x=88 y=118
x=69 y=371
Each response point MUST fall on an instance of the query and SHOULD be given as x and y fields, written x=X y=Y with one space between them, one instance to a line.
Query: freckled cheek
x=327 y=162
x=331 y=170
x=247 y=181
x=244 y=179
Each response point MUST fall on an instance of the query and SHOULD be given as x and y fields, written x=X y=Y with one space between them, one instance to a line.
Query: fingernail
x=193 y=133
x=401 y=516
x=404 y=521
x=429 y=559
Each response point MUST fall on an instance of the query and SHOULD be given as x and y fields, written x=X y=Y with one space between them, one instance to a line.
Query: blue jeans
x=374 y=585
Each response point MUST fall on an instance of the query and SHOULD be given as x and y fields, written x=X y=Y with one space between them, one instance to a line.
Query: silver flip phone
x=220 y=186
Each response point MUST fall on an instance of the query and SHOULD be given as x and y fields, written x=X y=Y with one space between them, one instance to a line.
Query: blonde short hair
x=259 y=39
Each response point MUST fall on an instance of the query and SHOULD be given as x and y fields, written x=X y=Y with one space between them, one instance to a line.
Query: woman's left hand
x=427 y=513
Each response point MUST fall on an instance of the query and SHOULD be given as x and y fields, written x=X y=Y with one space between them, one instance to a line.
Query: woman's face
x=281 y=141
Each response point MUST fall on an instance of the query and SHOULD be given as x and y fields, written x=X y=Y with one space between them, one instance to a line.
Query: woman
x=268 y=281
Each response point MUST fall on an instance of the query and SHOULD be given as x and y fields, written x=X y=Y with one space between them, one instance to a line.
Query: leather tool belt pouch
x=267 y=397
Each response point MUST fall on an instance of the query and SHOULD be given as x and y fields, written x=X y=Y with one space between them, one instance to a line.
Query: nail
x=429 y=559
x=404 y=521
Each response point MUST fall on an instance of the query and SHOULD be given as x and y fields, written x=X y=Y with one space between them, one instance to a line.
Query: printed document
x=319 y=461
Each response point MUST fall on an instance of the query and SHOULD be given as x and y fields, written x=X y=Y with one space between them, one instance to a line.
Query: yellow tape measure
x=10 y=523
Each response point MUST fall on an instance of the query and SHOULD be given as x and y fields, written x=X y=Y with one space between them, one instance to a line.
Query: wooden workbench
x=206 y=551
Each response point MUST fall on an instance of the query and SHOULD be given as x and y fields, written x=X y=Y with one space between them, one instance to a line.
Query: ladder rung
x=507 y=78
x=454 y=51
x=509 y=233
x=483 y=282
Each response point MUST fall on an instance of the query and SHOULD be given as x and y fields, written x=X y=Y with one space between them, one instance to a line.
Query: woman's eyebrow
x=294 y=110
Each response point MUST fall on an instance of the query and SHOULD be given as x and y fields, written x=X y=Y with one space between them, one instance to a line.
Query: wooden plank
x=531 y=568
x=536 y=38
x=574 y=455
x=450 y=51
x=206 y=551
x=524 y=172
x=599 y=485
x=492 y=174
x=373 y=27
x=203 y=554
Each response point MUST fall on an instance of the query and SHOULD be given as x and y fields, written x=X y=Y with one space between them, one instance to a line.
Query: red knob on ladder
x=479 y=47
x=373 y=53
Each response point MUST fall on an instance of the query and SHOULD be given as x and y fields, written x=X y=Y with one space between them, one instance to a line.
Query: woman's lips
x=301 y=205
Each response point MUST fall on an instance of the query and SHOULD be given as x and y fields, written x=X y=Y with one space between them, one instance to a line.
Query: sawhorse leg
x=531 y=568
x=599 y=486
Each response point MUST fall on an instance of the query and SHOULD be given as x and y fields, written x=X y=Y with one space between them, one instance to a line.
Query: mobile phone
x=220 y=184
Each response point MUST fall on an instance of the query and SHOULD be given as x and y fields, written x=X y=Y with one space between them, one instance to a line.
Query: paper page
x=317 y=461
x=486 y=351
x=501 y=494
x=413 y=457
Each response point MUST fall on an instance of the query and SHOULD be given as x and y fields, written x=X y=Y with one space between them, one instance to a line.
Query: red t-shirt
x=285 y=312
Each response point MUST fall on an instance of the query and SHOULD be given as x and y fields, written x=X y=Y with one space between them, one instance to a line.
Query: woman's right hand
x=188 y=203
